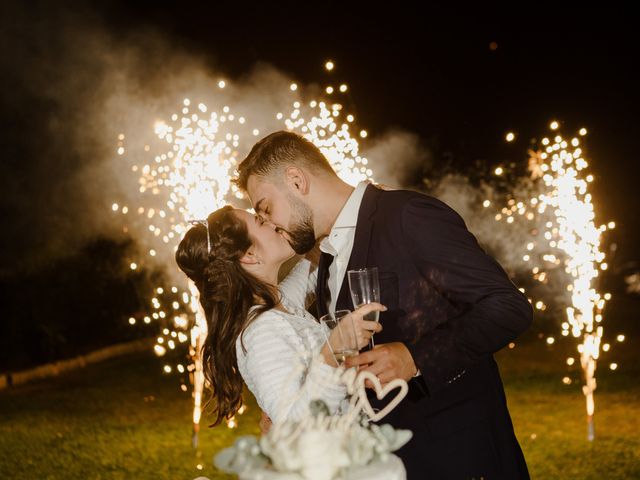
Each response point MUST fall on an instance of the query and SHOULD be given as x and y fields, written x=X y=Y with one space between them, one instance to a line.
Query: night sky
x=431 y=72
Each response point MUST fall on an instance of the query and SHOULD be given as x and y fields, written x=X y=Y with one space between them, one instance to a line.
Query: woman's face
x=270 y=246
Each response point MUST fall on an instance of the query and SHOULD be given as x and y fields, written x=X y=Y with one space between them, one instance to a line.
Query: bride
x=254 y=333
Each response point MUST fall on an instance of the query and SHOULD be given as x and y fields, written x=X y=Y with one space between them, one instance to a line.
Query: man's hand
x=265 y=423
x=387 y=361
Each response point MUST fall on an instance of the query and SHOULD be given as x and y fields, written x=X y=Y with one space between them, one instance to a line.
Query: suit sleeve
x=448 y=257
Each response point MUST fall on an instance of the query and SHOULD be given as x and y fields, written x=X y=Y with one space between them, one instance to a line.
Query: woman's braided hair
x=227 y=293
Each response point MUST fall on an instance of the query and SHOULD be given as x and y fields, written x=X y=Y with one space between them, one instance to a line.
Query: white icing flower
x=322 y=454
x=361 y=446
x=283 y=454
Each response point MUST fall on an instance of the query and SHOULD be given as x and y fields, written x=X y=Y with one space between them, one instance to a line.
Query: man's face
x=292 y=217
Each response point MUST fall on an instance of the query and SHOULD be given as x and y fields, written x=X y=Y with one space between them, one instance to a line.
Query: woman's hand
x=313 y=255
x=366 y=328
x=265 y=423
x=344 y=337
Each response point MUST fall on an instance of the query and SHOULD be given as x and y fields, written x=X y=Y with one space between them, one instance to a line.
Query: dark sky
x=431 y=72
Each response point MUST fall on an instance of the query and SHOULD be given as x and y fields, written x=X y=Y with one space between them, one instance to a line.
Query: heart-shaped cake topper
x=381 y=392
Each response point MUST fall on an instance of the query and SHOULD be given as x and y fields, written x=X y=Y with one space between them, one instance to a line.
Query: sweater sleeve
x=282 y=374
x=298 y=287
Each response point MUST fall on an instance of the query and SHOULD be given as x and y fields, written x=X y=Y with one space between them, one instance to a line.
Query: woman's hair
x=227 y=292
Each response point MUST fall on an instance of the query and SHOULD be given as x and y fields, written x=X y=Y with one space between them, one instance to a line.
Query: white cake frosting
x=390 y=468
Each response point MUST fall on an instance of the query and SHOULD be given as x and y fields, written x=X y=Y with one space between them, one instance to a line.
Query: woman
x=253 y=333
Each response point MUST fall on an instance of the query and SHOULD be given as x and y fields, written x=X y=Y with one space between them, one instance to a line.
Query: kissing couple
x=446 y=307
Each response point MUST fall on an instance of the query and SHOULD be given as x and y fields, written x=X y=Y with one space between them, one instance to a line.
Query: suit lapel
x=361 y=241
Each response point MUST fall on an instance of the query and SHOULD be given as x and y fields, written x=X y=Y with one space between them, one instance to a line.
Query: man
x=450 y=305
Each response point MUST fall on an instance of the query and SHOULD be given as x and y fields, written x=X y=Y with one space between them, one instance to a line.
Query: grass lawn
x=550 y=417
x=124 y=418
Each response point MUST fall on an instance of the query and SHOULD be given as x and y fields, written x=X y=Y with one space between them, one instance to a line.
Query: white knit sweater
x=281 y=366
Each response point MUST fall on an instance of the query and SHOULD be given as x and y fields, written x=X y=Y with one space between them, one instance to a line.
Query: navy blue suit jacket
x=453 y=306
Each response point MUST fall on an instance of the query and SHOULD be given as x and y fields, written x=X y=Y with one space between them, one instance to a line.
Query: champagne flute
x=365 y=288
x=344 y=343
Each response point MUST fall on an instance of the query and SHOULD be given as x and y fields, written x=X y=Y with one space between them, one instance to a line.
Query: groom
x=450 y=305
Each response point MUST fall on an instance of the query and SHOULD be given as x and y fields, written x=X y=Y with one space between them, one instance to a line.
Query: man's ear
x=297 y=179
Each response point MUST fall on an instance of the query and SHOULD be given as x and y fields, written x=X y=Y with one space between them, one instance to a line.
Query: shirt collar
x=347 y=218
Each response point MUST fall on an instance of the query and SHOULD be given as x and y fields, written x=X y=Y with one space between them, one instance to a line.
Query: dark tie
x=323 y=294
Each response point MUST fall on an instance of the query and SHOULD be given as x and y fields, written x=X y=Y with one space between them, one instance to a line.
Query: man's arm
x=448 y=256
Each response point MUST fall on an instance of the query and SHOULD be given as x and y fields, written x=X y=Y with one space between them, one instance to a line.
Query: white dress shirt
x=339 y=242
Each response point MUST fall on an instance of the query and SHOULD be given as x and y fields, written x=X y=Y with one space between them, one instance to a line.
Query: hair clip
x=206 y=225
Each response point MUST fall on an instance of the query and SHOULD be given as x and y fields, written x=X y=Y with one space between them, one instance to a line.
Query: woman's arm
x=299 y=286
x=281 y=373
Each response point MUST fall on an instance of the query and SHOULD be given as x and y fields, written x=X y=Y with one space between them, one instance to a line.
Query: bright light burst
x=570 y=241
x=190 y=176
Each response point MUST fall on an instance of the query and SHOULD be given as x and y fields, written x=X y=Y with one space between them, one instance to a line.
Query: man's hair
x=278 y=150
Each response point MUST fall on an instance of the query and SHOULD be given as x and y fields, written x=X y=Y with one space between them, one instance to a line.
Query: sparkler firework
x=190 y=177
x=562 y=206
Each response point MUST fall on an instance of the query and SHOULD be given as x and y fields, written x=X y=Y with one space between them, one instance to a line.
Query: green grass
x=550 y=417
x=125 y=419
x=121 y=419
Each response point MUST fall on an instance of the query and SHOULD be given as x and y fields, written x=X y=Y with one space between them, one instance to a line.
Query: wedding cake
x=348 y=446
x=318 y=451
x=389 y=469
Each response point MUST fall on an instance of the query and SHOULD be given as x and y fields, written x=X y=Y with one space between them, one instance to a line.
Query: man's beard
x=301 y=235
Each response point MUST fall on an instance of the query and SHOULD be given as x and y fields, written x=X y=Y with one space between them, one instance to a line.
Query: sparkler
x=571 y=241
x=191 y=177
